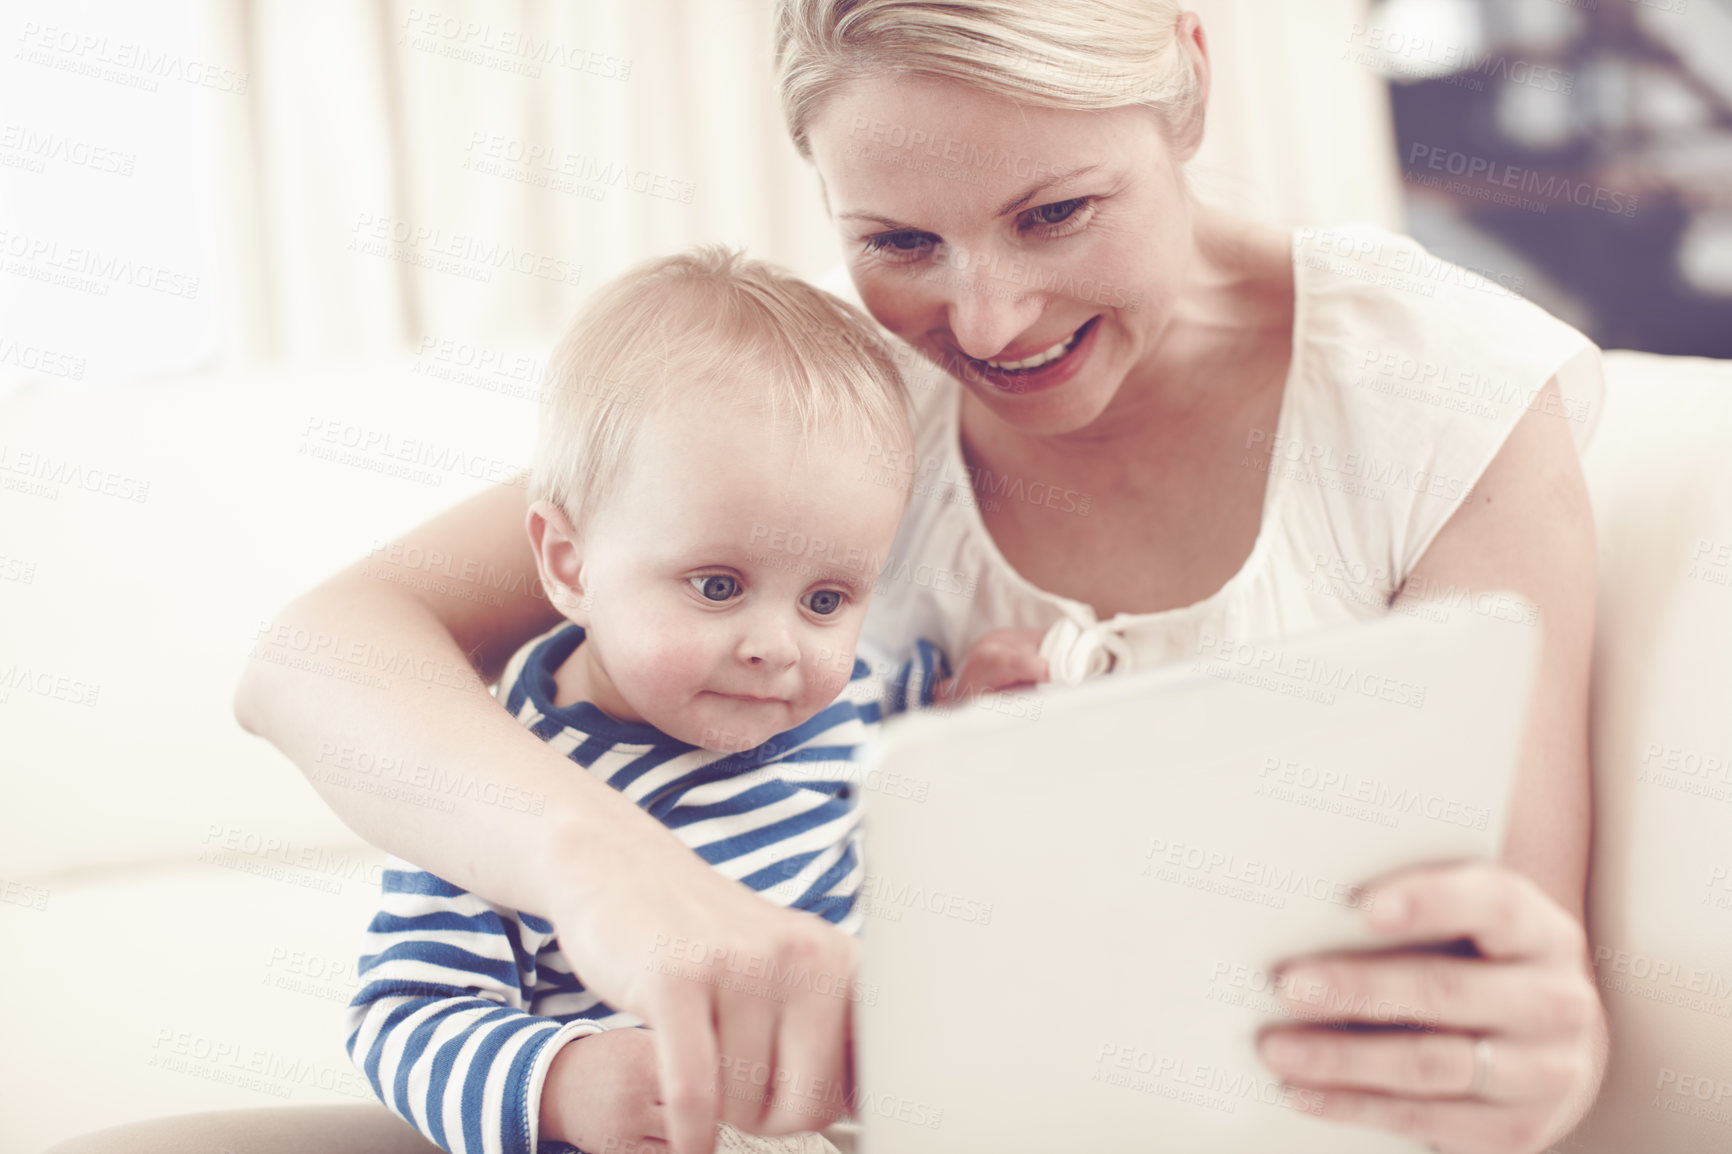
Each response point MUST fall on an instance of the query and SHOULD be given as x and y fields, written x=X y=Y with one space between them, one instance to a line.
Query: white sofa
x=1660 y=894
x=179 y=913
x=194 y=892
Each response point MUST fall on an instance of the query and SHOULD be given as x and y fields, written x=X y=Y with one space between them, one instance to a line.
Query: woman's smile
x=1042 y=370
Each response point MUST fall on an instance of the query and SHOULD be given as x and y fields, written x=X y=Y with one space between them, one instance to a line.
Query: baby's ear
x=559 y=560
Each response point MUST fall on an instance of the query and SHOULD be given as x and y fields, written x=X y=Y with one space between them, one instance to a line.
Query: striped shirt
x=464 y=1003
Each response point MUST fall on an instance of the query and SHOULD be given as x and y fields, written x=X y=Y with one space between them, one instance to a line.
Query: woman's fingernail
x=1388 y=909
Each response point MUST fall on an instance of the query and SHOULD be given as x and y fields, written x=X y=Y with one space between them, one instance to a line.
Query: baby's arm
x=1002 y=659
x=441 y=1027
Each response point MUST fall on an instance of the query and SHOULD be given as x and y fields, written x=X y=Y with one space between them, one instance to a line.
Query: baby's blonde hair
x=1076 y=54
x=707 y=326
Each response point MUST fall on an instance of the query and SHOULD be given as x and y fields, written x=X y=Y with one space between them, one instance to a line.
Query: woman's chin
x=1049 y=414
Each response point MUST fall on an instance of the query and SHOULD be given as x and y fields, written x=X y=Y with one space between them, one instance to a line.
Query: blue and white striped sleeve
x=915 y=683
x=441 y=1027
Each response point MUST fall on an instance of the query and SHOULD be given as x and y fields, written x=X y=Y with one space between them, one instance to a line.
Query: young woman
x=1160 y=422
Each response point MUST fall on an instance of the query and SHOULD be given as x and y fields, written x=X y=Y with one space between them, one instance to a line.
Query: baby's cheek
x=826 y=675
x=667 y=674
x=659 y=651
x=826 y=684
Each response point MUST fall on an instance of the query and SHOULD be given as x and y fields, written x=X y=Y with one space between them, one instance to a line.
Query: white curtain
x=406 y=173
x=1299 y=131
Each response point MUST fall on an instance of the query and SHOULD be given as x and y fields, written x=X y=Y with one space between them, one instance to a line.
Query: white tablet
x=1075 y=898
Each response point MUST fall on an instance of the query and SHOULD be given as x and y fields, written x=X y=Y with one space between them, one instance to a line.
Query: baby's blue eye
x=824 y=602
x=717 y=587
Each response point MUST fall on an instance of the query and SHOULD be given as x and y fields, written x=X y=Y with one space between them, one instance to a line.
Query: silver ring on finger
x=1481 y=1067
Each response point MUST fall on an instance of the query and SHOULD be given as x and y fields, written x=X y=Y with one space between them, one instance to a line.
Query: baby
x=702 y=518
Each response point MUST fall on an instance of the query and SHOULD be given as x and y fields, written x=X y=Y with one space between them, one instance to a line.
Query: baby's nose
x=772 y=647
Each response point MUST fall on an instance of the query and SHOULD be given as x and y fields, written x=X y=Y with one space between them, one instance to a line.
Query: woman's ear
x=1188 y=130
x=559 y=560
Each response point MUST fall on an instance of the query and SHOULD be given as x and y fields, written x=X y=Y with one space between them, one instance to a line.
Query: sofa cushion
x=1660 y=894
x=136 y=992
x=128 y=615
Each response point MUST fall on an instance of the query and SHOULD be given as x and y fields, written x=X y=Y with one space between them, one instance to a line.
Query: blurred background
x=196 y=183
x=1585 y=145
x=278 y=280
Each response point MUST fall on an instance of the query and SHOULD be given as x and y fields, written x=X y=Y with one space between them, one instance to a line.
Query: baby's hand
x=605 y=1086
x=1000 y=660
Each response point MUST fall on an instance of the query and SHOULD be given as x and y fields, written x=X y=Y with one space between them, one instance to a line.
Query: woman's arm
x=368 y=684
x=1528 y=528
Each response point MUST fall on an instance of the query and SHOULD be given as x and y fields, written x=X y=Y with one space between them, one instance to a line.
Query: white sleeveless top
x=1407 y=375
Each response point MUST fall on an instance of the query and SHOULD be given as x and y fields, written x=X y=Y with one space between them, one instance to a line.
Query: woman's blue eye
x=903 y=244
x=824 y=602
x=717 y=587
x=1056 y=212
x=1061 y=217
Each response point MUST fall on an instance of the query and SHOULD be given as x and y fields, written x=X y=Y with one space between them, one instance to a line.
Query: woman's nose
x=987 y=311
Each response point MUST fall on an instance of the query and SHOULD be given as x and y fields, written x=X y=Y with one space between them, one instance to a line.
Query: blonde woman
x=1160 y=424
